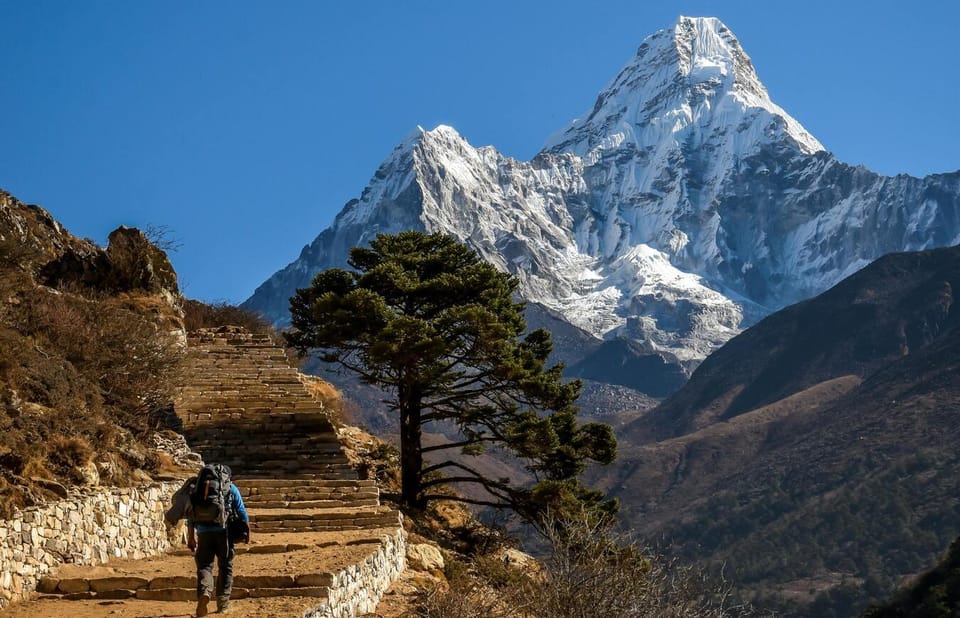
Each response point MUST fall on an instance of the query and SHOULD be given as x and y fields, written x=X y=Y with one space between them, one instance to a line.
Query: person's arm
x=238 y=501
x=191 y=537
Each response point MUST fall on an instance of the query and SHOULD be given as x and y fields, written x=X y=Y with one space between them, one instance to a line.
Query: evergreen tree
x=436 y=327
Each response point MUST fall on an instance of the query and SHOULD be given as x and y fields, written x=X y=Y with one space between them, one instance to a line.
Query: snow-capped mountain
x=683 y=206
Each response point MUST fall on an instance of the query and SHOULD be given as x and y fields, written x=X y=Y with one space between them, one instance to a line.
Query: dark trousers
x=212 y=545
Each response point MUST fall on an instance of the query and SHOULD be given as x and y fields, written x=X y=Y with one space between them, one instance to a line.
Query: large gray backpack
x=210 y=501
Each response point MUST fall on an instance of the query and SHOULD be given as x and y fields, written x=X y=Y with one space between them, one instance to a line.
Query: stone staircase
x=247 y=408
x=321 y=542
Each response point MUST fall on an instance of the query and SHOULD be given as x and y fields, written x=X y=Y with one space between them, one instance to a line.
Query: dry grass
x=81 y=381
x=197 y=315
x=588 y=572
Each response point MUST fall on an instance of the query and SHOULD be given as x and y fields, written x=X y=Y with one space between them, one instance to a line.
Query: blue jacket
x=235 y=507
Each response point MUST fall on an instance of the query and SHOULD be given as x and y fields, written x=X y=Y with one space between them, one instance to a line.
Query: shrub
x=80 y=380
x=197 y=315
x=588 y=571
x=132 y=359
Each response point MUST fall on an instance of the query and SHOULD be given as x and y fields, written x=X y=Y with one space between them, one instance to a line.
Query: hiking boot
x=223 y=606
x=202 y=605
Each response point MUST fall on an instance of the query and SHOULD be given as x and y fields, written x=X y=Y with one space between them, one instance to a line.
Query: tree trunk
x=411 y=456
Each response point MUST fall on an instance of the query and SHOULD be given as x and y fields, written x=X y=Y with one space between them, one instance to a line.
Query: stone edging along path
x=84 y=529
x=321 y=543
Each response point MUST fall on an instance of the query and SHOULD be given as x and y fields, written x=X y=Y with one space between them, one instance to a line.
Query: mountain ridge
x=672 y=216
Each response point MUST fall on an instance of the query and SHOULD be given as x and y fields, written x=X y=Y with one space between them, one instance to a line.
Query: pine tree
x=427 y=320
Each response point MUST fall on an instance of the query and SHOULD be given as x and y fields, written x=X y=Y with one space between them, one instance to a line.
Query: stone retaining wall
x=356 y=589
x=89 y=529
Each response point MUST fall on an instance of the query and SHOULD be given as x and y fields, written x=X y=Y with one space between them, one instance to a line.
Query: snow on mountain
x=691 y=84
x=683 y=206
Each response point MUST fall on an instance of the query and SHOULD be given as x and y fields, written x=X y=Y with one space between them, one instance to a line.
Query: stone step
x=281 y=493
x=269 y=419
x=221 y=385
x=268 y=451
x=343 y=474
x=297 y=405
x=229 y=398
x=305 y=503
x=293 y=436
x=292 y=471
x=255 y=419
x=306 y=493
x=221 y=376
x=251 y=418
x=190 y=594
x=303 y=527
x=255 y=409
x=297 y=519
x=299 y=493
x=260 y=359
x=210 y=376
x=324 y=525
x=316 y=431
x=240 y=434
x=255 y=470
x=96 y=587
x=261 y=483
x=249 y=455
x=333 y=472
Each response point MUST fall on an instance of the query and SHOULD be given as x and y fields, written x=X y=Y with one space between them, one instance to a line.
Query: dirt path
x=276 y=555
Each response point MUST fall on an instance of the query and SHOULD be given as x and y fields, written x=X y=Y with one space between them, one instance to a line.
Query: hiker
x=208 y=536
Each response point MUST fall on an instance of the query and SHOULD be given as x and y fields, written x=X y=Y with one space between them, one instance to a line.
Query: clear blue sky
x=245 y=126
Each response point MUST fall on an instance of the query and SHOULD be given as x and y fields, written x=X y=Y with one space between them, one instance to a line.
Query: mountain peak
x=683 y=205
x=708 y=50
x=683 y=84
x=441 y=132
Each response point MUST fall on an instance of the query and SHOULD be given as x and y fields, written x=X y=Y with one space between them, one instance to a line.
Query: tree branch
x=440 y=447
x=497 y=505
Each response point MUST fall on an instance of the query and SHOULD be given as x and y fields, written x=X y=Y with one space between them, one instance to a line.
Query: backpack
x=210 y=501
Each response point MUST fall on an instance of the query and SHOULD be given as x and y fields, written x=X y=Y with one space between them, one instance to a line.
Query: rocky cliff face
x=36 y=249
x=684 y=206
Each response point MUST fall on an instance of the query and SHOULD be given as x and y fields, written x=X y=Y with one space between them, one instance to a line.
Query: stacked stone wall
x=88 y=528
x=356 y=590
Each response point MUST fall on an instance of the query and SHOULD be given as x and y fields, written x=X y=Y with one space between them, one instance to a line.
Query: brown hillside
x=89 y=349
x=814 y=454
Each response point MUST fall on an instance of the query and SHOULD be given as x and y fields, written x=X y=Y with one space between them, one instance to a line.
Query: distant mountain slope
x=937 y=593
x=898 y=305
x=684 y=206
x=815 y=454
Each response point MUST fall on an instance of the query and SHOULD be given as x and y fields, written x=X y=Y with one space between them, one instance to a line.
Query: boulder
x=517 y=559
x=424 y=557
x=137 y=264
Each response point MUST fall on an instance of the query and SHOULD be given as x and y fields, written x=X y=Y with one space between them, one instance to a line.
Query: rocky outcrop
x=30 y=237
x=130 y=263
x=34 y=245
